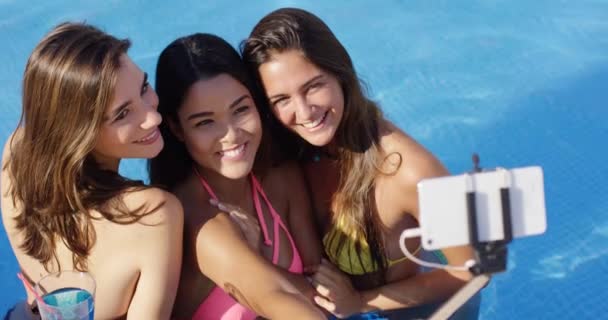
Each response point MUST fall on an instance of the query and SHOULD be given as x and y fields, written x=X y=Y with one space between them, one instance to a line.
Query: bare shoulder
x=164 y=206
x=217 y=236
x=8 y=207
x=12 y=139
x=406 y=158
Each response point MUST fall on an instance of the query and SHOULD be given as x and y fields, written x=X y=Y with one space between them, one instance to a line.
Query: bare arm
x=407 y=164
x=225 y=257
x=423 y=287
x=157 y=241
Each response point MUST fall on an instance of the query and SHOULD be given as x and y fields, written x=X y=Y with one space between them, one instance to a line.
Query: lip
x=150 y=138
x=319 y=126
x=234 y=154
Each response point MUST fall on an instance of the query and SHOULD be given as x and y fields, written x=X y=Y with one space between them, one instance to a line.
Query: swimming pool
x=519 y=82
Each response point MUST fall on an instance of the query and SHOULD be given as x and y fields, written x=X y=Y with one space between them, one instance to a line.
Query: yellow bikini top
x=347 y=259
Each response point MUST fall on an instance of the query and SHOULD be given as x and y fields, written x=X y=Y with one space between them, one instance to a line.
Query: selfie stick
x=490 y=256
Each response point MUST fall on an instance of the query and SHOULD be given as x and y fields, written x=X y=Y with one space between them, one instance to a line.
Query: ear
x=176 y=129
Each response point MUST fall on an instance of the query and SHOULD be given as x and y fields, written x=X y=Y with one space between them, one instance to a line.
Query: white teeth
x=233 y=153
x=312 y=124
x=150 y=136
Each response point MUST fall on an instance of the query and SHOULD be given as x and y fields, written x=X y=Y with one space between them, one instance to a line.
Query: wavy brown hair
x=68 y=84
x=357 y=136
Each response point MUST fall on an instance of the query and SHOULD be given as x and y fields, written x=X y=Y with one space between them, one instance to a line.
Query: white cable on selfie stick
x=416 y=232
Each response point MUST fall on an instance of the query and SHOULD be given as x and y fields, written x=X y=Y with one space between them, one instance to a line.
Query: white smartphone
x=443 y=206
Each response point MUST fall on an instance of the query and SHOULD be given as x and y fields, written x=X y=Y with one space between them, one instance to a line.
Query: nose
x=151 y=116
x=231 y=134
x=304 y=110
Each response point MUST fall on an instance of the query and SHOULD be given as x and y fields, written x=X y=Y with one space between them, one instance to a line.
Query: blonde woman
x=86 y=106
x=361 y=169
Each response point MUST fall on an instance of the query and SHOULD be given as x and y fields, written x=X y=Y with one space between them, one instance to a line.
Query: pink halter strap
x=255 y=186
x=257 y=189
x=206 y=185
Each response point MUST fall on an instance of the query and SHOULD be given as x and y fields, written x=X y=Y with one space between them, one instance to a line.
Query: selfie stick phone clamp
x=490 y=256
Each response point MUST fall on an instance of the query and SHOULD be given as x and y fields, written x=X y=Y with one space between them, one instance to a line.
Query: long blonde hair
x=68 y=83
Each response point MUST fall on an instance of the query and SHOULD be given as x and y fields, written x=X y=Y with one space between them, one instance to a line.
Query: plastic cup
x=66 y=295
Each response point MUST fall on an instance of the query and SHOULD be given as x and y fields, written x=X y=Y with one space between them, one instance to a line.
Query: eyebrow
x=143 y=83
x=125 y=104
x=306 y=84
x=209 y=113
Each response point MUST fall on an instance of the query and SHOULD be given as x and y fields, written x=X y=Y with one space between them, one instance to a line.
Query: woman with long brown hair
x=86 y=106
x=361 y=169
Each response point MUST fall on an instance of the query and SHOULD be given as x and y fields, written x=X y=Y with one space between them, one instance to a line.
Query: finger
x=245 y=223
x=311 y=269
x=324 y=280
x=329 y=265
x=329 y=274
x=230 y=208
x=325 y=304
x=238 y=214
x=239 y=222
x=225 y=207
x=324 y=291
x=222 y=205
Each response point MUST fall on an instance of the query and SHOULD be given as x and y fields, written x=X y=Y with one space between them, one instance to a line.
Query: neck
x=331 y=148
x=107 y=163
x=227 y=190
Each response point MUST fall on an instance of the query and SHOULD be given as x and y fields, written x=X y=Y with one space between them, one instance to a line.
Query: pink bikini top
x=218 y=304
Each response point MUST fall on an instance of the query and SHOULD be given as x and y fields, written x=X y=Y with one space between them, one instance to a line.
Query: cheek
x=198 y=143
x=111 y=138
x=256 y=126
x=337 y=99
x=125 y=134
x=284 y=116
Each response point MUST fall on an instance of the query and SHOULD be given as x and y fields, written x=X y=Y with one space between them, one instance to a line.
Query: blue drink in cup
x=67 y=295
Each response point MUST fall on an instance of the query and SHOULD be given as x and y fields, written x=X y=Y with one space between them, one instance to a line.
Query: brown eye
x=279 y=103
x=242 y=109
x=145 y=87
x=203 y=123
x=122 y=114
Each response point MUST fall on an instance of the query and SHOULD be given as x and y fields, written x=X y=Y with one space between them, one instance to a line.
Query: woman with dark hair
x=86 y=106
x=213 y=131
x=362 y=170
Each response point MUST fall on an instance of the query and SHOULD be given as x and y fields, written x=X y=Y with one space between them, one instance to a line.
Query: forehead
x=286 y=70
x=212 y=94
x=129 y=77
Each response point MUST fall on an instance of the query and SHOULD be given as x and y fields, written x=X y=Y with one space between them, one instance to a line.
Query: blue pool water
x=520 y=82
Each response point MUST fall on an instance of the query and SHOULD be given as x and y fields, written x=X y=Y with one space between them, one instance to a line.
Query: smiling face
x=220 y=126
x=130 y=125
x=306 y=99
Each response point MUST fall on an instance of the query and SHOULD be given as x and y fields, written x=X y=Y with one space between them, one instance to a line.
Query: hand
x=249 y=225
x=335 y=291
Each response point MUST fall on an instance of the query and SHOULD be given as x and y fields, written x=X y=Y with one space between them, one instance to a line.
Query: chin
x=236 y=172
x=153 y=150
x=319 y=140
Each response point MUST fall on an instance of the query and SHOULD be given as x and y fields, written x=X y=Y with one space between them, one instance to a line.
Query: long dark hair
x=357 y=136
x=68 y=84
x=182 y=63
